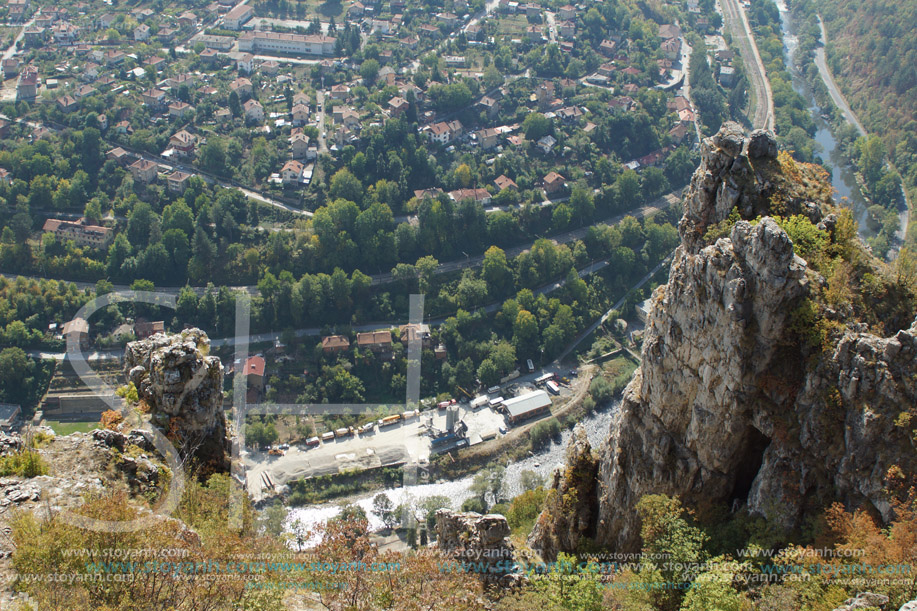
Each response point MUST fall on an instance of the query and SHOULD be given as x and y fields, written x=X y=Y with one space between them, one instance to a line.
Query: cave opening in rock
x=749 y=464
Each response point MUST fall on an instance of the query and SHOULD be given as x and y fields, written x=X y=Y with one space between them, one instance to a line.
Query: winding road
x=828 y=79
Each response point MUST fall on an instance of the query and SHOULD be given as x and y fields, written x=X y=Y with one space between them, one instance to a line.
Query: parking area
x=406 y=441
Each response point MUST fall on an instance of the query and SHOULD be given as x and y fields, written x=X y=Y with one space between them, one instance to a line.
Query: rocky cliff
x=734 y=402
x=183 y=388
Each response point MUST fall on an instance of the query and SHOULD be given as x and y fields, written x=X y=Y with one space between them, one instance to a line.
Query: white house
x=291 y=173
x=254 y=111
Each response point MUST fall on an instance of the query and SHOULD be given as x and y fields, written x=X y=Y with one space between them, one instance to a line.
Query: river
x=842 y=177
x=543 y=463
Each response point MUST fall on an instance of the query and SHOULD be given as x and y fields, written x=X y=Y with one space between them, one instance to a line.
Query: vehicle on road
x=544 y=378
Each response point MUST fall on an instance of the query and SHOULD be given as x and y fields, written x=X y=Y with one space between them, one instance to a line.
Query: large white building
x=237 y=16
x=293 y=44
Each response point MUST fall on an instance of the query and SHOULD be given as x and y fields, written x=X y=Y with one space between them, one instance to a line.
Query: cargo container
x=342 y=432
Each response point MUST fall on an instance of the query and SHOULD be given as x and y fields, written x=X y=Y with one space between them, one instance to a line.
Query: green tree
x=426 y=270
x=487 y=373
x=178 y=215
x=15 y=372
x=668 y=535
x=369 y=69
x=504 y=357
x=582 y=203
x=714 y=589
x=273 y=517
x=93 y=211
x=525 y=333
x=471 y=291
x=536 y=126
x=142 y=222
x=345 y=185
x=628 y=184
x=571 y=585
x=496 y=272
x=213 y=156
x=384 y=510
x=235 y=105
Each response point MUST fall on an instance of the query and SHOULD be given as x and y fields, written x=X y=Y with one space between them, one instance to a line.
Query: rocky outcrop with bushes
x=777 y=365
x=571 y=505
x=183 y=388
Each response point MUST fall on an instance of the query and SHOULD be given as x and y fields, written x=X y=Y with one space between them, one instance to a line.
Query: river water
x=597 y=425
x=842 y=177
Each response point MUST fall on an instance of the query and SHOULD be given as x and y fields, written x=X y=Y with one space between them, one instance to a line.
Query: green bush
x=24 y=464
x=544 y=431
x=474 y=504
x=524 y=509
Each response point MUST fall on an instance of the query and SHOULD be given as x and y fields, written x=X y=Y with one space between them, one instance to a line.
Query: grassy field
x=65 y=428
x=619 y=371
x=514 y=25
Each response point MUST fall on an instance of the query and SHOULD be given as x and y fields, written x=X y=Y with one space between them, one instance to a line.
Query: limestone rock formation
x=183 y=388
x=142 y=474
x=106 y=438
x=725 y=407
x=9 y=443
x=13 y=491
x=864 y=600
x=571 y=506
x=480 y=541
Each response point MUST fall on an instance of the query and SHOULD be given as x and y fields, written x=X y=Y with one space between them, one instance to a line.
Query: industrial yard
x=412 y=438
